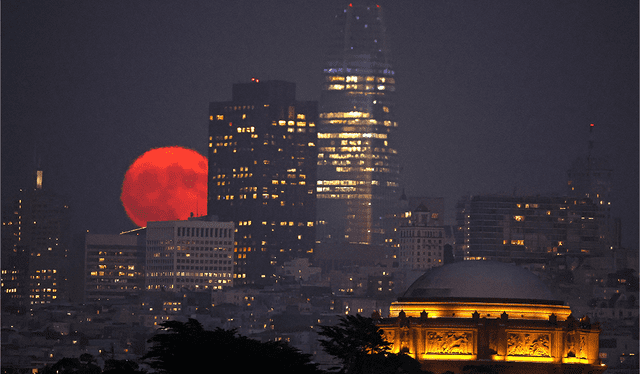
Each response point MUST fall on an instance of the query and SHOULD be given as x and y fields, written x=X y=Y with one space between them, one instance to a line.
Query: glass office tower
x=358 y=170
x=262 y=174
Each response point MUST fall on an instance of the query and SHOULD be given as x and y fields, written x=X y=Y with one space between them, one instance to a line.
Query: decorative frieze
x=529 y=344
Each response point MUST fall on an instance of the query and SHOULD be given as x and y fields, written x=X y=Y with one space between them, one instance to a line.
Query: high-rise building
x=114 y=266
x=15 y=257
x=35 y=246
x=196 y=254
x=262 y=175
x=526 y=229
x=421 y=241
x=591 y=177
x=358 y=170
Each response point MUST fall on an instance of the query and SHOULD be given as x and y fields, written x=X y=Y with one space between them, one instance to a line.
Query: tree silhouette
x=113 y=366
x=84 y=365
x=359 y=344
x=184 y=347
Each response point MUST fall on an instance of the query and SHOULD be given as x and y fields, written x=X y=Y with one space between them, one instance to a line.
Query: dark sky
x=492 y=96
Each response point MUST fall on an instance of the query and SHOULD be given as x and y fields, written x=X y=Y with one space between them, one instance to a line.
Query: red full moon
x=165 y=184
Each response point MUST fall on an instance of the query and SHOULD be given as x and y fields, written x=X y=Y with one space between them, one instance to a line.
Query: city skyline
x=496 y=98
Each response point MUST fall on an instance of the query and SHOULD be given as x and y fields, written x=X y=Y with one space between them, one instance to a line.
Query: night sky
x=492 y=96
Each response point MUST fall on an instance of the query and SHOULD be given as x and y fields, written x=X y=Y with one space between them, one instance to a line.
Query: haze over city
x=428 y=187
x=492 y=97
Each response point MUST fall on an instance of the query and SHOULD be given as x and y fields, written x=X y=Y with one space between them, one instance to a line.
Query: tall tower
x=358 y=170
x=591 y=177
x=262 y=174
x=35 y=247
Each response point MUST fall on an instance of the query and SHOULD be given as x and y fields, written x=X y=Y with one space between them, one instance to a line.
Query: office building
x=421 y=241
x=527 y=229
x=358 y=168
x=262 y=175
x=591 y=177
x=35 y=247
x=196 y=254
x=114 y=266
x=15 y=257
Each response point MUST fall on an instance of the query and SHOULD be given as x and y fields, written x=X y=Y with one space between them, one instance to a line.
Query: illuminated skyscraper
x=358 y=170
x=262 y=174
x=35 y=247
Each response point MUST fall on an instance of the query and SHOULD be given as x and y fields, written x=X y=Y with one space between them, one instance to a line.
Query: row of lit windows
x=350 y=182
x=46 y=295
x=358 y=78
x=359 y=169
x=220 y=117
x=274 y=223
x=352 y=114
x=113 y=274
x=234 y=150
x=353 y=124
x=351 y=189
x=348 y=70
x=336 y=189
x=292 y=123
x=344 y=196
x=351 y=135
x=359 y=87
x=348 y=162
x=354 y=150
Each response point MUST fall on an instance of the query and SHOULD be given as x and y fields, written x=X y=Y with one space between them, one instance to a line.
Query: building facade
x=114 y=266
x=527 y=229
x=262 y=175
x=193 y=254
x=358 y=169
x=35 y=247
x=421 y=242
x=591 y=177
x=484 y=316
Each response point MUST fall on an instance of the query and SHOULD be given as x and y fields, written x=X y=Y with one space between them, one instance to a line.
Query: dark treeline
x=185 y=347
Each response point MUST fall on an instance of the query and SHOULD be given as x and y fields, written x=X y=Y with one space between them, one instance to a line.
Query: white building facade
x=193 y=254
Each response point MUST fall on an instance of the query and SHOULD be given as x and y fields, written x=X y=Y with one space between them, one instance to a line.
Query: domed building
x=484 y=315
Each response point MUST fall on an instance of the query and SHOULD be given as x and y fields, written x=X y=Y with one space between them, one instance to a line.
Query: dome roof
x=479 y=280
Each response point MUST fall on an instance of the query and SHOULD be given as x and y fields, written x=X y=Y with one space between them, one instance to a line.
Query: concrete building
x=114 y=266
x=421 y=243
x=193 y=254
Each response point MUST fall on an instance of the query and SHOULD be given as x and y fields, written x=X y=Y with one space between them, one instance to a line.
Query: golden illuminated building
x=262 y=175
x=358 y=170
x=491 y=317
